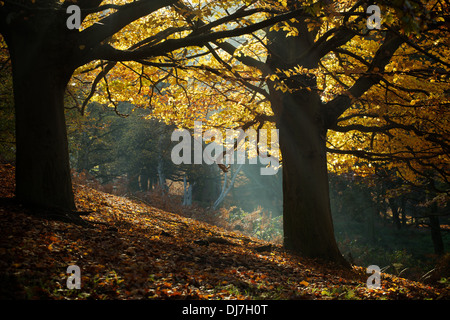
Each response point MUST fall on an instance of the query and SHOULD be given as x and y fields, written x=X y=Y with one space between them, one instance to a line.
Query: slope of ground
x=131 y=251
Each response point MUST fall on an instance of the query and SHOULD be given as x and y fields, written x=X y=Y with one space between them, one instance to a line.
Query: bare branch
x=102 y=74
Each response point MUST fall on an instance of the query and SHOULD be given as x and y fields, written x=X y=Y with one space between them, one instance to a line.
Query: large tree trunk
x=42 y=159
x=307 y=221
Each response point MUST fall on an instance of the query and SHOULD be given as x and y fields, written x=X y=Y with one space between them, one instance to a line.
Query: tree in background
x=133 y=150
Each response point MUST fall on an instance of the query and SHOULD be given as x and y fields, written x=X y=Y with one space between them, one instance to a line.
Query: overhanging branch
x=107 y=52
x=338 y=105
x=113 y=23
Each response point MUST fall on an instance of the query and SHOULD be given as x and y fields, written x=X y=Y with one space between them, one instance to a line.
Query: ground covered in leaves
x=131 y=250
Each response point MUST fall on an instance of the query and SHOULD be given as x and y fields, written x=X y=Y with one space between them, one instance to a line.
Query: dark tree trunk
x=307 y=221
x=42 y=160
x=436 y=235
x=395 y=213
x=403 y=209
x=143 y=181
x=133 y=182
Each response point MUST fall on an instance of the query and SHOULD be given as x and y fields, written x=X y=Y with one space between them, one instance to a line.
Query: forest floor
x=131 y=250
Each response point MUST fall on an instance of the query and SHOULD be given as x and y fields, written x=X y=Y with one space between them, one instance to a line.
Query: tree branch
x=106 y=52
x=338 y=105
x=362 y=128
x=102 y=74
x=226 y=46
x=377 y=156
x=113 y=23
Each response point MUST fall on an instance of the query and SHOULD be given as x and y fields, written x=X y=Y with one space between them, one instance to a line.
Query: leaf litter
x=136 y=251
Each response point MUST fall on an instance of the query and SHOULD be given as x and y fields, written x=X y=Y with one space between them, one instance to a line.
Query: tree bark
x=307 y=221
x=403 y=209
x=435 y=227
x=436 y=235
x=40 y=78
x=395 y=213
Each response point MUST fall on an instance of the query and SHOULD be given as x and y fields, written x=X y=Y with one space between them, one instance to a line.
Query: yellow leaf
x=304 y=283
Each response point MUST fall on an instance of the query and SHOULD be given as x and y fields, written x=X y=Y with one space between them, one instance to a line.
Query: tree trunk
x=372 y=215
x=436 y=235
x=226 y=187
x=307 y=222
x=187 y=195
x=395 y=213
x=133 y=182
x=403 y=209
x=435 y=227
x=160 y=167
x=42 y=160
x=143 y=181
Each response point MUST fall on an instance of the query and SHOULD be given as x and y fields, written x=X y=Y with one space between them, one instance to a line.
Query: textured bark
x=307 y=220
x=40 y=77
